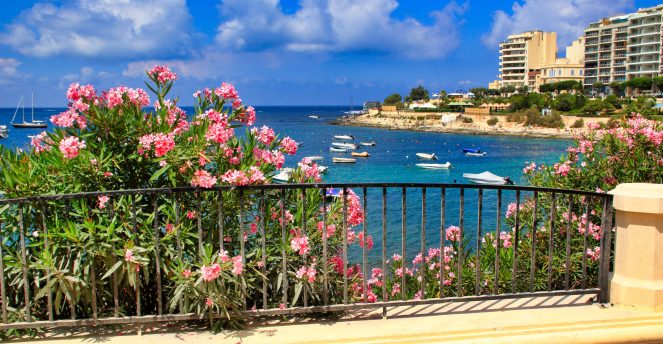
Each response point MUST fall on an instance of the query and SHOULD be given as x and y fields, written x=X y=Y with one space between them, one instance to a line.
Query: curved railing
x=67 y=260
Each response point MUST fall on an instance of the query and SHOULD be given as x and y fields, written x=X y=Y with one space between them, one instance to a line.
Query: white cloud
x=9 y=68
x=338 y=26
x=102 y=28
x=568 y=18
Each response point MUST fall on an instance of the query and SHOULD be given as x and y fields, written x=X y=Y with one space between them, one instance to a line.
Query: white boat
x=344 y=160
x=487 y=178
x=444 y=166
x=314 y=116
x=475 y=154
x=344 y=137
x=314 y=158
x=372 y=143
x=323 y=169
x=344 y=145
x=427 y=156
x=283 y=176
x=338 y=150
x=33 y=123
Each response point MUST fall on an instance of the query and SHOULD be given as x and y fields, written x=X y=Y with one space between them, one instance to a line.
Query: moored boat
x=283 y=176
x=344 y=145
x=24 y=124
x=338 y=150
x=487 y=178
x=444 y=166
x=314 y=158
x=426 y=156
x=360 y=154
x=471 y=150
x=344 y=160
x=344 y=137
x=323 y=169
x=475 y=154
x=372 y=143
x=314 y=116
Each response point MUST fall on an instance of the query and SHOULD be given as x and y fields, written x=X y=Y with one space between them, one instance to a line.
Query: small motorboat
x=333 y=192
x=427 y=156
x=487 y=178
x=4 y=133
x=344 y=160
x=475 y=154
x=338 y=150
x=360 y=154
x=314 y=158
x=344 y=145
x=283 y=176
x=314 y=116
x=323 y=169
x=344 y=137
x=471 y=150
x=372 y=143
x=444 y=166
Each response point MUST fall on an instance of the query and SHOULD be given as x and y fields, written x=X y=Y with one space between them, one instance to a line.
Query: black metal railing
x=61 y=260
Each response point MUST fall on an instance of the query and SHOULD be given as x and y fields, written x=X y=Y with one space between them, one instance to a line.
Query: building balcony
x=644 y=24
x=604 y=57
x=645 y=43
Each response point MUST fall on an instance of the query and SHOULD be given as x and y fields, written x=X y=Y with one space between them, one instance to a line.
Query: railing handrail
x=173 y=190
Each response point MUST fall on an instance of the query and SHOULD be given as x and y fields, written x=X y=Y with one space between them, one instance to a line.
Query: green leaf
x=298 y=290
x=112 y=269
x=158 y=173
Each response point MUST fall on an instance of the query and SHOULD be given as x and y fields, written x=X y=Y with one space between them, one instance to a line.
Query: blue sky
x=294 y=52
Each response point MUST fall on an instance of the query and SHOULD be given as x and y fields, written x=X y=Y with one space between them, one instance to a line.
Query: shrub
x=492 y=121
x=579 y=123
x=468 y=120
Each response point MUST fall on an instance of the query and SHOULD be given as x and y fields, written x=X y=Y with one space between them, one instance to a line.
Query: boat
x=344 y=145
x=314 y=116
x=283 y=176
x=362 y=154
x=338 y=150
x=344 y=137
x=323 y=169
x=314 y=158
x=427 y=156
x=344 y=160
x=487 y=178
x=444 y=166
x=475 y=154
x=33 y=123
x=471 y=150
x=4 y=132
x=372 y=143
x=331 y=192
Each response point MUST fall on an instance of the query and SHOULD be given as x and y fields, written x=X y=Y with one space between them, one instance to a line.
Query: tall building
x=623 y=47
x=522 y=55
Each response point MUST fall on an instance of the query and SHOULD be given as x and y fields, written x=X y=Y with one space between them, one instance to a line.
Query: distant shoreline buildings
x=612 y=50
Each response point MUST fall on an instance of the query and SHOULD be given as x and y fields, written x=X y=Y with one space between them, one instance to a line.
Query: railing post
x=637 y=281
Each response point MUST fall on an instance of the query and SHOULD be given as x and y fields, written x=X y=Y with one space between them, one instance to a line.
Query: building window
x=573 y=72
x=552 y=73
x=560 y=72
x=580 y=72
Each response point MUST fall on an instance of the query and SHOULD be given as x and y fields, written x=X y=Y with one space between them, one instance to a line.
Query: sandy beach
x=431 y=122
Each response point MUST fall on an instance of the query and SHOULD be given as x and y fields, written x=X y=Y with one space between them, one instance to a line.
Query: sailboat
x=33 y=123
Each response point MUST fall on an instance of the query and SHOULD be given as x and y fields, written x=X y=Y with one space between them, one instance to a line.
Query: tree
x=657 y=82
x=616 y=87
x=598 y=86
x=418 y=93
x=507 y=89
x=479 y=91
x=523 y=89
x=393 y=99
x=492 y=121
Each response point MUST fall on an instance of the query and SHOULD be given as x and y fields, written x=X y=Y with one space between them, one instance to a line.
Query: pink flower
x=299 y=244
x=511 y=209
x=265 y=134
x=249 y=116
x=114 y=96
x=282 y=306
x=368 y=241
x=101 y=201
x=562 y=169
x=226 y=91
x=203 y=179
x=190 y=214
x=289 y=145
x=219 y=132
x=41 y=142
x=108 y=174
x=76 y=92
x=128 y=255
x=395 y=289
x=330 y=229
x=163 y=144
x=238 y=265
x=396 y=257
x=163 y=74
x=68 y=119
x=452 y=233
x=355 y=210
x=235 y=177
x=594 y=254
x=70 y=146
x=529 y=168
x=209 y=302
x=256 y=176
x=186 y=273
x=210 y=273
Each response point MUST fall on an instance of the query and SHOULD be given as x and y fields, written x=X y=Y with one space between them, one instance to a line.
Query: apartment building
x=522 y=55
x=571 y=67
x=623 y=47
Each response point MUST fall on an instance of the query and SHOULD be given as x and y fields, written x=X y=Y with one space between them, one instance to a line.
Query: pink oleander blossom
x=115 y=96
x=70 y=146
x=238 y=265
x=265 y=134
x=68 y=119
x=163 y=74
x=562 y=169
x=128 y=255
x=226 y=91
x=203 y=179
x=219 y=133
x=41 y=142
x=186 y=273
x=289 y=145
x=235 y=177
x=594 y=254
x=76 y=92
x=299 y=244
x=101 y=201
x=368 y=242
x=210 y=273
x=452 y=233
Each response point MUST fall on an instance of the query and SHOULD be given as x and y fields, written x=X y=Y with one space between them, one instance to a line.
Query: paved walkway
x=531 y=320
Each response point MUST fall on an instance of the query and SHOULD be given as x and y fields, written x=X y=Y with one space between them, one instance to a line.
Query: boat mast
x=33 y=107
x=17 y=106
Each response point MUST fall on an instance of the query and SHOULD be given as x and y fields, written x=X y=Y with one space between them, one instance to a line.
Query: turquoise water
x=392 y=160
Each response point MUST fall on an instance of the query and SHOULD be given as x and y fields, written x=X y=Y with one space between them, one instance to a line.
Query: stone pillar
x=637 y=281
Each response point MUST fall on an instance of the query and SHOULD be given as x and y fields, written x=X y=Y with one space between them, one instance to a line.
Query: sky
x=290 y=52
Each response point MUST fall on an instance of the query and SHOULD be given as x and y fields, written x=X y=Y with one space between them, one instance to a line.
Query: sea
x=392 y=160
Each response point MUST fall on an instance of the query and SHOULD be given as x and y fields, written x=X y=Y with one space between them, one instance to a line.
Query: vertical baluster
x=422 y=267
x=178 y=238
x=49 y=297
x=24 y=264
x=325 y=262
x=606 y=248
x=567 y=264
x=553 y=209
x=516 y=237
x=220 y=219
x=241 y=242
x=497 y=242
x=584 y=243
x=345 y=245
x=304 y=218
x=284 y=244
x=263 y=246
x=532 y=267
x=135 y=229
x=403 y=241
x=3 y=292
x=157 y=253
x=443 y=200
x=364 y=250
x=477 y=282
x=384 y=249
x=116 y=297
x=460 y=239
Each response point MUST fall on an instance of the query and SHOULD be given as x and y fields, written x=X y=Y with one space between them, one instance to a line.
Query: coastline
x=393 y=124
